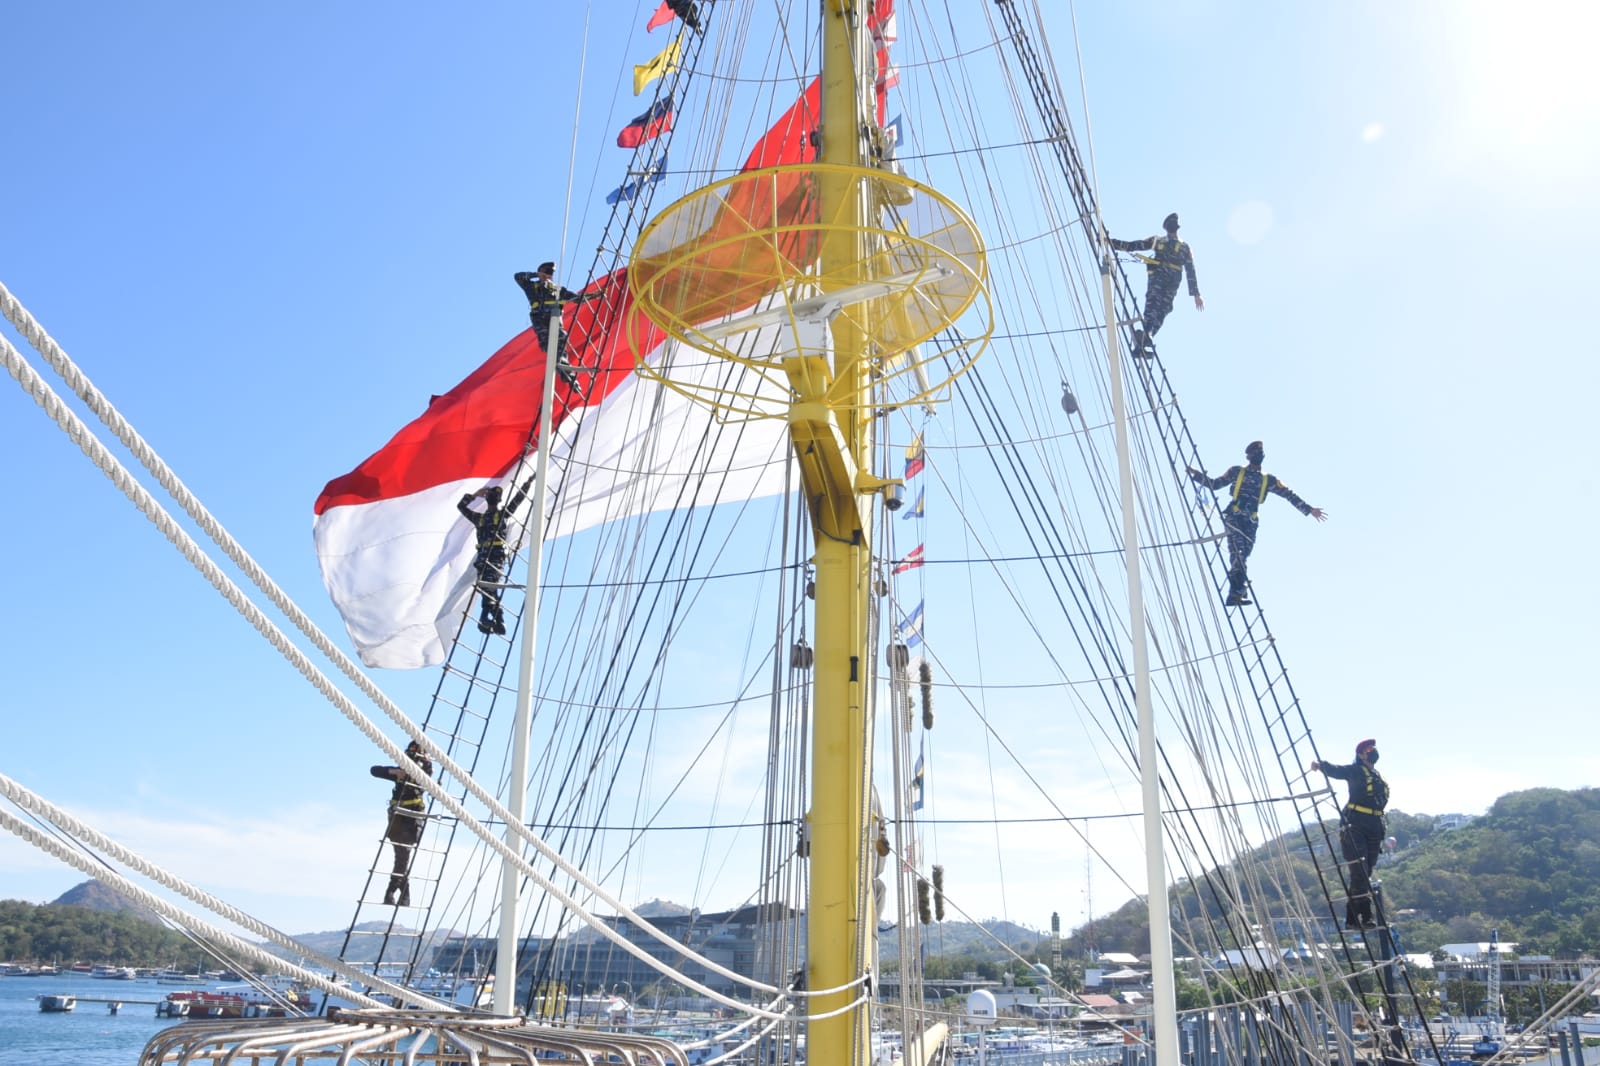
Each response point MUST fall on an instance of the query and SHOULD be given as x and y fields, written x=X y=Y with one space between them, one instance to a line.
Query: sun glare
x=1523 y=76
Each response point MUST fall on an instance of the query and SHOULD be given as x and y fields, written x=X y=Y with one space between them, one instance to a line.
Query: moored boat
x=57 y=1003
x=114 y=973
x=235 y=1001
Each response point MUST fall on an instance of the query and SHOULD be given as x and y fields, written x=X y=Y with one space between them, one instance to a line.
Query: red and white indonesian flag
x=396 y=556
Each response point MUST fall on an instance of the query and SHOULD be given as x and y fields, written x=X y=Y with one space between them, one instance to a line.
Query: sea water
x=88 y=1036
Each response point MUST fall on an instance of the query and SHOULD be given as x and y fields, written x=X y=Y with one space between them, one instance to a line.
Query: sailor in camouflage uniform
x=546 y=299
x=1169 y=259
x=490 y=561
x=1250 y=487
x=1361 y=836
x=406 y=817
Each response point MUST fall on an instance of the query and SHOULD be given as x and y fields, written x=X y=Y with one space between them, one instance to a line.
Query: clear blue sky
x=270 y=233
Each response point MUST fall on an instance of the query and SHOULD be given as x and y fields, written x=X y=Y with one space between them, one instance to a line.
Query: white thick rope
x=37 y=805
x=96 y=401
x=74 y=428
x=86 y=441
x=210 y=932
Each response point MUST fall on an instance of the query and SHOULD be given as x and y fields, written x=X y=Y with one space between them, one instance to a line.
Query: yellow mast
x=856 y=266
x=836 y=929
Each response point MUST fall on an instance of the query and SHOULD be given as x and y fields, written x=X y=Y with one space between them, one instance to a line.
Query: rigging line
x=978 y=149
x=1033 y=495
x=656 y=708
x=1088 y=122
x=78 y=432
x=677 y=607
x=781 y=567
x=572 y=150
x=688 y=772
x=686 y=579
x=1165 y=667
x=1007 y=585
x=675 y=611
x=982 y=403
x=805 y=79
x=28 y=800
x=628 y=223
x=67 y=840
x=1008 y=949
x=1017 y=760
x=685 y=526
x=1040 y=557
x=1046 y=332
x=1268 y=801
x=96 y=402
x=1031 y=238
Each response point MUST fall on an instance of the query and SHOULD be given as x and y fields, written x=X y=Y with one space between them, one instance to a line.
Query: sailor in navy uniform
x=545 y=299
x=1169 y=259
x=1361 y=836
x=490 y=562
x=406 y=815
x=1240 y=518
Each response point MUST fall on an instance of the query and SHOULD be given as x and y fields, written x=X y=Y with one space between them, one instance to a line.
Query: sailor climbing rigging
x=406 y=815
x=1170 y=259
x=1361 y=835
x=545 y=300
x=1250 y=485
x=490 y=562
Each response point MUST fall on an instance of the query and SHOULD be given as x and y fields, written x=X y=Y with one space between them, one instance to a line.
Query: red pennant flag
x=664 y=14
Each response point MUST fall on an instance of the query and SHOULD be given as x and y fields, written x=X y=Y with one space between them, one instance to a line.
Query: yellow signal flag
x=665 y=63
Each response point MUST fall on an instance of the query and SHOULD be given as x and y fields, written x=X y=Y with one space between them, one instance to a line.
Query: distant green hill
x=1530 y=868
x=67 y=934
x=94 y=896
x=365 y=945
x=954 y=948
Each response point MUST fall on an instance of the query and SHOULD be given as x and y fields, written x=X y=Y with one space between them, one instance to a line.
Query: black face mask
x=1372 y=757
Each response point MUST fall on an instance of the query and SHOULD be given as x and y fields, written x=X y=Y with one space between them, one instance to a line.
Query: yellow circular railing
x=752 y=271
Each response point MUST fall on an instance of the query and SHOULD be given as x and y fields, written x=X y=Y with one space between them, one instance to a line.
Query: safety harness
x=494 y=524
x=407 y=793
x=408 y=796
x=1377 y=788
x=1238 y=485
x=1168 y=255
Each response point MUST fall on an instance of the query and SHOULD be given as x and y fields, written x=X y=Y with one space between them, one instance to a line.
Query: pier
x=113 y=1005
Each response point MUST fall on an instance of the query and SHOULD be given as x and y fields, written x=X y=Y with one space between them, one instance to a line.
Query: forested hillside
x=1530 y=867
x=63 y=935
